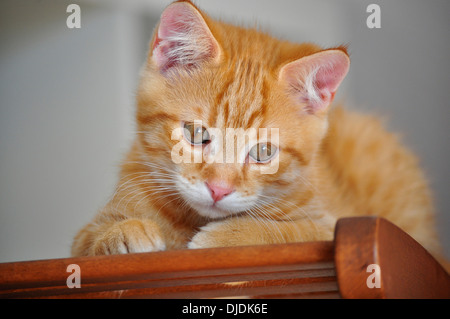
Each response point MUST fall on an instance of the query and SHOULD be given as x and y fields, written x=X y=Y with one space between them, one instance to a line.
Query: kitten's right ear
x=183 y=39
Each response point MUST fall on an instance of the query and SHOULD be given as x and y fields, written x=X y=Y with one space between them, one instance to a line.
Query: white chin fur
x=198 y=197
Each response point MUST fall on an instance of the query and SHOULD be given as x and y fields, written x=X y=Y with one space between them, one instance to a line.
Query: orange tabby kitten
x=205 y=79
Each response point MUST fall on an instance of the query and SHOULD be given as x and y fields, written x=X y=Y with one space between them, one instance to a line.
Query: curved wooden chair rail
x=369 y=258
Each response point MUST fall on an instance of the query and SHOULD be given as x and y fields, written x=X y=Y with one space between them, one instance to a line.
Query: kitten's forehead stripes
x=241 y=100
x=221 y=99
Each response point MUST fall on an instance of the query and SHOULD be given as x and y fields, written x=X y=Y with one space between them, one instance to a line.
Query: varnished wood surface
x=301 y=270
x=295 y=269
x=406 y=269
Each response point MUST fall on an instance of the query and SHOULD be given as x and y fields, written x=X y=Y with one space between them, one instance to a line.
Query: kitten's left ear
x=314 y=79
x=183 y=39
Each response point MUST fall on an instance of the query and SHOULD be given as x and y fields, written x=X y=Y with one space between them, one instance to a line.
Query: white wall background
x=67 y=97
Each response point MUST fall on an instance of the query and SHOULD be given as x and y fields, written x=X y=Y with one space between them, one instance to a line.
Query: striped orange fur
x=331 y=162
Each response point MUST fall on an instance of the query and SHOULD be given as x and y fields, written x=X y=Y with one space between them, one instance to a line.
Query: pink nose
x=219 y=191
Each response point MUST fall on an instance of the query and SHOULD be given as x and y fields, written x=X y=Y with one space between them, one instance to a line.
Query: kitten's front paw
x=129 y=236
x=222 y=234
x=209 y=236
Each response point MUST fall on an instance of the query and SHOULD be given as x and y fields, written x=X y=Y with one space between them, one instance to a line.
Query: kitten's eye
x=262 y=152
x=196 y=134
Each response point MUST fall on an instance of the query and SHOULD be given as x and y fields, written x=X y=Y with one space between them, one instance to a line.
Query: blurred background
x=67 y=97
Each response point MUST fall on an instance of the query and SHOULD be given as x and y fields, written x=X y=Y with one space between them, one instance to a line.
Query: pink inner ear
x=315 y=78
x=183 y=38
x=331 y=73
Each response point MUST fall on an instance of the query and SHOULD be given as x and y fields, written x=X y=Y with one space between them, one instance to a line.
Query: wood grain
x=273 y=269
x=331 y=269
x=407 y=270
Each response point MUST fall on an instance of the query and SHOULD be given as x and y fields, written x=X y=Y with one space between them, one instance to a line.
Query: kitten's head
x=235 y=115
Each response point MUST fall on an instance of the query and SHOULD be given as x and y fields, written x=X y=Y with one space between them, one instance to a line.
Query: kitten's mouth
x=212 y=210
x=216 y=210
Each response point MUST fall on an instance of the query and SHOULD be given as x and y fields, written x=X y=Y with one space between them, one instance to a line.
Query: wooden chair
x=369 y=258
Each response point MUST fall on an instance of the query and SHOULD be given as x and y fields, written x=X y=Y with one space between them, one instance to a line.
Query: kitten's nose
x=219 y=190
